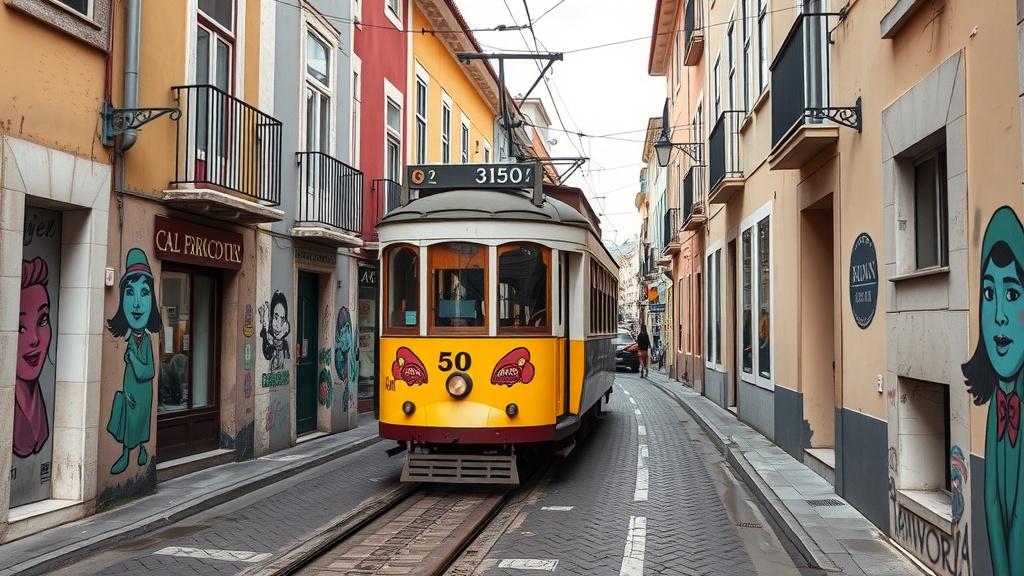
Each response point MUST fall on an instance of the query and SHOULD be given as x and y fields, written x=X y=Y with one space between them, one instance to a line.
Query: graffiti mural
x=325 y=394
x=345 y=353
x=993 y=375
x=35 y=369
x=275 y=336
x=135 y=320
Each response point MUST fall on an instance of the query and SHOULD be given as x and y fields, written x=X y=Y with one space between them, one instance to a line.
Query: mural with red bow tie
x=994 y=376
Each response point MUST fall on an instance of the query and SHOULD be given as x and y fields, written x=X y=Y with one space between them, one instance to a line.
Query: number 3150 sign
x=472 y=176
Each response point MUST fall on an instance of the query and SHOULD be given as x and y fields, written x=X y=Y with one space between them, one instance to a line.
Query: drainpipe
x=131 y=67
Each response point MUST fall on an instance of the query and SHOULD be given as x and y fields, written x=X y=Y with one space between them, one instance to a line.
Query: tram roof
x=483 y=204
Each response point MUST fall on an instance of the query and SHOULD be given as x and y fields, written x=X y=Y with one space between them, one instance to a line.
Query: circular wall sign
x=863 y=280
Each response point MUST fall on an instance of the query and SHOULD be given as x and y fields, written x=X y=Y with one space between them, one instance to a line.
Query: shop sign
x=318 y=257
x=367 y=277
x=180 y=241
x=863 y=280
x=656 y=308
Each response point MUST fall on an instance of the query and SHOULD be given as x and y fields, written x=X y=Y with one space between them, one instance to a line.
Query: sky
x=600 y=93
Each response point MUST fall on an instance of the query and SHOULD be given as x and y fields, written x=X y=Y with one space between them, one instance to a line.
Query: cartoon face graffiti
x=137 y=299
x=513 y=368
x=31 y=425
x=343 y=343
x=275 y=342
x=1002 y=313
x=408 y=367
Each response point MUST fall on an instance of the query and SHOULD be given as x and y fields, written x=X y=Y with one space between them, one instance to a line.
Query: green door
x=306 y=362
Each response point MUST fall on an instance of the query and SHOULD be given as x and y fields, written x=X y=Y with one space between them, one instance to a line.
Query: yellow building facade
x=452 y=104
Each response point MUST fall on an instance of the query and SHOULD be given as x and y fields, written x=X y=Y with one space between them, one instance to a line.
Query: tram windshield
x=522 y=286
x=459 y=292
x=403 y=288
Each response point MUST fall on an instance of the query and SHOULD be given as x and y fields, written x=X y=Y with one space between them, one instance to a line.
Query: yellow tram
x=498 y=311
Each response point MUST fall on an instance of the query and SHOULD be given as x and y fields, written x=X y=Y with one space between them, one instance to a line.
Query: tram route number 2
x=461 y=361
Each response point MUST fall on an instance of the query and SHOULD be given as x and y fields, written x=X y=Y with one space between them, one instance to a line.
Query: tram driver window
x=403 y=292
x=522 y=287
x=458 y=272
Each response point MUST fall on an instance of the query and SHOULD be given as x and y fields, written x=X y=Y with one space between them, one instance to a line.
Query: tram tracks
x=409 y=530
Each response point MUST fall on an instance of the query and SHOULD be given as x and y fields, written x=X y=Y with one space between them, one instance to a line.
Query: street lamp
x=663 y=149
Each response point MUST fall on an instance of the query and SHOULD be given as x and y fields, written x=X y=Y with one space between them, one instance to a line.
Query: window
x=604 y=289
x=318 y=94
x=357 y=112
x=716 y=84
x=402 y=287
x=762 y=45
x=220 y=11
x=214 y=65
x=487 y=152
x=393 y=143
x=679 y=58
x=421 y=121
x=523 y=273
x=731 y=60
x=465 y=140
x=393 y=12
x=931 y=237
x=714 y=307
x=755 y=300
x=82 y=6
x=458 y=286
x=748 y=55
x=446 y=128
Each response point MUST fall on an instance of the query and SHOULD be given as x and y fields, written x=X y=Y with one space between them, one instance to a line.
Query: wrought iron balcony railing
x=387 y=195
x=330 y=192
x=800 y=81
x=724 y=148
x=693 y=31
x=670 y=231
x=226 y=144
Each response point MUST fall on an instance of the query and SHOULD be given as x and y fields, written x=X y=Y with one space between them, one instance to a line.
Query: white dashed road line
x=226 y=555
x=636 y=542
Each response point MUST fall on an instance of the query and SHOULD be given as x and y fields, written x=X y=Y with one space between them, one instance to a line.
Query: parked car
x=627 y=353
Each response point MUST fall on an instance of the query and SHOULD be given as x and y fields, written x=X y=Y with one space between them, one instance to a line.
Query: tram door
x=306 y=361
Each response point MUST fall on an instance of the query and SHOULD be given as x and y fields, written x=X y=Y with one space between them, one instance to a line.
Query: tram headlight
x=459 y=384
x=408 y=407
x=511 y=410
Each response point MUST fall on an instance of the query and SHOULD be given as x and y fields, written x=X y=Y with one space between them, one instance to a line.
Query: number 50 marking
x=462 y=361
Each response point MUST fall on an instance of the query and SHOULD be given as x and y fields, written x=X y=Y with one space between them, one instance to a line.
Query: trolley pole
x=506 y=115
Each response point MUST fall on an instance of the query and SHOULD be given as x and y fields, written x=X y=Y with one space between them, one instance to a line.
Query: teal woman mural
x=993 y=374
x=135 y=320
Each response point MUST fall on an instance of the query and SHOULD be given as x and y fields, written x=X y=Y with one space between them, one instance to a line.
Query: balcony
x=670 y=234
x=694 y=214
x=803 y=121
x=227 y=158
x=693 y=32
x=330 y=201
x=387 y=195
x=725 y=170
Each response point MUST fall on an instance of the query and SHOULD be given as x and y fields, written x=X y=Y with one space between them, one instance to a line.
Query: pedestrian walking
x=643 y=343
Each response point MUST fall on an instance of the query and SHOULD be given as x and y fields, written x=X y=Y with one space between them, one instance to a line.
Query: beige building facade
x=863 y=202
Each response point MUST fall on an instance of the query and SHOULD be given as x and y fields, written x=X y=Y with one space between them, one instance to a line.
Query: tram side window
x=458 y=273
x=403 y=288
x=522 y=286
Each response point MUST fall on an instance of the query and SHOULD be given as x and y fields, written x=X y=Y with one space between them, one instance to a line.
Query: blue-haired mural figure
x=993 y=375
x=135 y=320
x=275 y=336
x=344 y=353
x=31 y=424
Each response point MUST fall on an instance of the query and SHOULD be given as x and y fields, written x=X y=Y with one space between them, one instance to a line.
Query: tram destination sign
x=436 y=176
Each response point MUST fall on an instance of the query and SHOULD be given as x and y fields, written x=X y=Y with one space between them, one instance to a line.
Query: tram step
x=461 y=468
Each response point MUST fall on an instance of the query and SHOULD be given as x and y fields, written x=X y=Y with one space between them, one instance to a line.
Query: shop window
x=187 y=361
x=402 y=287
x=523 y=278
x=458 y=272
x=755 y=300
x=714 y=308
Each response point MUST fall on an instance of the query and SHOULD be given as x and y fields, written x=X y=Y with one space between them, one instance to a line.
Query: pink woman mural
x=135 y=320
x=31 y=426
